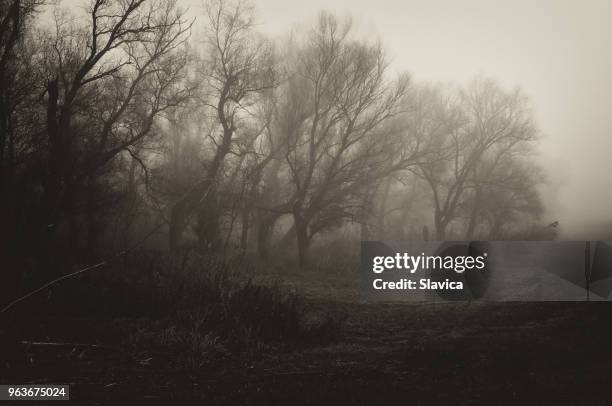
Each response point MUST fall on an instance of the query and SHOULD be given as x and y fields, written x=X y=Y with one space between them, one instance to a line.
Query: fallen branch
x=79 y=272
x=51 y=283
x=82 y=345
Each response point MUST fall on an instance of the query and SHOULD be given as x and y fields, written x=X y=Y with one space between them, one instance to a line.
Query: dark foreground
x=445 y=353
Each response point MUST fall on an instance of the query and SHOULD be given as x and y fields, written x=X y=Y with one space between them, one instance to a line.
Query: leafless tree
x=506 y=203
x=109 y=77
x=236 y=69
x=341 y=141
x=481 y=125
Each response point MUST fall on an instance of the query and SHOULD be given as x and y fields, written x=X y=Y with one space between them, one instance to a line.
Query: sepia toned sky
x=558 y=51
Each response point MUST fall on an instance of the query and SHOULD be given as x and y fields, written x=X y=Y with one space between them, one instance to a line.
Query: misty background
x=558 y=52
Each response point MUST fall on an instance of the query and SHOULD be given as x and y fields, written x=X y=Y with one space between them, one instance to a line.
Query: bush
x=223 y=299
x=193 y=316
x=213 y=309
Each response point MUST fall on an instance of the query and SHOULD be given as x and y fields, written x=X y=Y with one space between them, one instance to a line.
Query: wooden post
x=587 y=268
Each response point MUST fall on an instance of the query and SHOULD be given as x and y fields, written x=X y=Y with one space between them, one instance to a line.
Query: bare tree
x=509 y=201
x=108 y=81
x=480 y=124
x=235 y=70
x=340 y=142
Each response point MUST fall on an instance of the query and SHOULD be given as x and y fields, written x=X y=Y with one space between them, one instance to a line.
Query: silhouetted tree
x=236 y=69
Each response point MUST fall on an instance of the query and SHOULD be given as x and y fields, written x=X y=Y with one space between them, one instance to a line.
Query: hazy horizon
x=556 y=51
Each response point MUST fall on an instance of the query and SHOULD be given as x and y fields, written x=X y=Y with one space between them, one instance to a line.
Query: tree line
x=123 y=115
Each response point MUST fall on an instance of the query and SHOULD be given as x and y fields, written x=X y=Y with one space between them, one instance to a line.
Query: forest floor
x=429 y=353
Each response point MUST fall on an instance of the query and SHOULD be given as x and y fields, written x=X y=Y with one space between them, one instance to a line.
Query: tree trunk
x=303 y=242
x=382 y=211
x=208 y=227
x=265 y=227
x=367 y=209
x=473 y=217
x=92 y=225
x=3 y=140
x=263 y=240
x=176 y=227
x=252 y=198
x=52 y=185
x=440 y=224
x=244 y=234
